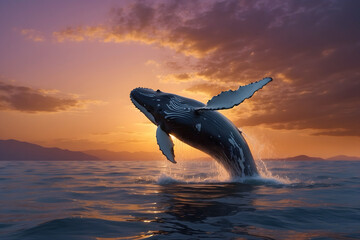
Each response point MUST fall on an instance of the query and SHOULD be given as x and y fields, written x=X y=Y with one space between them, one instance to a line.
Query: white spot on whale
x=242 y=157
x=198 y=127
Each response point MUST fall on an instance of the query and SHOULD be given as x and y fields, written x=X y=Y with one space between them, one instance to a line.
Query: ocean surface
x=189 y=200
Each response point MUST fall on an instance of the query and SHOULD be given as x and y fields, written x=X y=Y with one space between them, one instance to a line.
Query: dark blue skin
x=218 y=136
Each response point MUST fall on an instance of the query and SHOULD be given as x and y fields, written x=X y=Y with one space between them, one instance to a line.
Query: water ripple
x=157 y=200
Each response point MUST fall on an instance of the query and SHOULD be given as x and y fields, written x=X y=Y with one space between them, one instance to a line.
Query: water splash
x=164 y=180
x=192 y=172
x=266 y=150
x=212 y=172
x=186 y=171
x=267 y=175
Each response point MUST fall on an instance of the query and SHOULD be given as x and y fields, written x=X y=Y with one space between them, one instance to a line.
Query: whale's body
x=200 y=125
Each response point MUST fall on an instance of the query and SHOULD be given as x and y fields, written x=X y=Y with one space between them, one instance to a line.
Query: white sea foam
x=212 y=172
x=268 y=176
x=164 y=179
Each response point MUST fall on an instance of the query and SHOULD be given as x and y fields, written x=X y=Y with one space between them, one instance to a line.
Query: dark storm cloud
x=30 y=100
x=310 y=48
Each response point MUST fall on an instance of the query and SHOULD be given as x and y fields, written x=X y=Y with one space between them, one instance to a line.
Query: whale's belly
x=214 y=134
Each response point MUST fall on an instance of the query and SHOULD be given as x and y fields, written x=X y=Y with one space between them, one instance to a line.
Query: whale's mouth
x=142 y=108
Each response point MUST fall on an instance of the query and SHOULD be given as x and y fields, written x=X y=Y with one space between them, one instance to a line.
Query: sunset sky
x=67 y=68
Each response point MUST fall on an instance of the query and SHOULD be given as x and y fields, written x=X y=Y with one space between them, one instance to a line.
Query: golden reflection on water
x=109 y=210
x=148 y=234
x=263 y=204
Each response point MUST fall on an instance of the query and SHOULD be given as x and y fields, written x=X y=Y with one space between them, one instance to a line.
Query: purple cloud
x=25 y=99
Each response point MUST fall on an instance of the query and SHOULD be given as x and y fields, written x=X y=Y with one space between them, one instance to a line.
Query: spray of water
x=186 y=171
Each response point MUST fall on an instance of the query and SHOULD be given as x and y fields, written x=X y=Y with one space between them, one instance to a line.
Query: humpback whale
x=200 y=125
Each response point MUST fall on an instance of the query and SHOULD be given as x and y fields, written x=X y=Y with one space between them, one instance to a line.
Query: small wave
x=314 y=185
x=93 y=188
x=164 y=180
x=58 y=178
x=83 y=228
x=116 y=174
x=323 y=177
x=53 y=200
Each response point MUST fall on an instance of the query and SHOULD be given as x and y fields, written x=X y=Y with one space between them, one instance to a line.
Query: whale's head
x=151 y=103
x=145 y=100
x=160 y=107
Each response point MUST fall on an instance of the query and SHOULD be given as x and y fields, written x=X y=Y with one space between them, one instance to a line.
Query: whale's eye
x=158 y=90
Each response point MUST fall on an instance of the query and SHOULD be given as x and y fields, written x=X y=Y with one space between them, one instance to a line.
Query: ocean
x=189 y=200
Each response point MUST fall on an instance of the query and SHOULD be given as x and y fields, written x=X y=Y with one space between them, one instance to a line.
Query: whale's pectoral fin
x=165 y=143
x=229 y=99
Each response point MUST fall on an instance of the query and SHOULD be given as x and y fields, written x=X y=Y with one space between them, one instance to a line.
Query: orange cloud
x=143 y=23
x=177 y=77
x=118 y=34
x=33 y=35
x=316 y=72
x=25 y=99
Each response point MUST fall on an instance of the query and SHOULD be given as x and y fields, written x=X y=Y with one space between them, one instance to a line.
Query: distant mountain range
x=344 y=157
x=298 y=158
x=307 y=158
x=17 y=150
